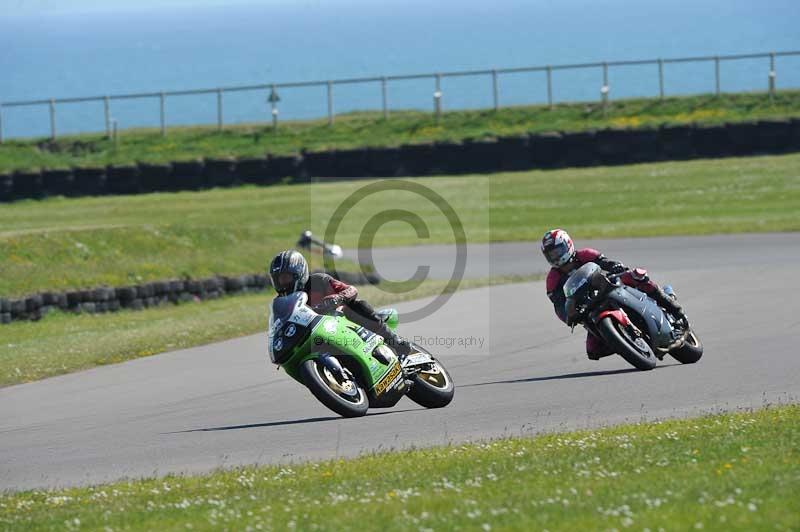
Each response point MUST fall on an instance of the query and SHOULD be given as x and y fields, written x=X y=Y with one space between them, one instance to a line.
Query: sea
x=52 y=49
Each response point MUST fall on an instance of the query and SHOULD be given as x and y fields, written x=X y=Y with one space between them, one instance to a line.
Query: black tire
x=690 y=352
x=639 y=356
x=312 y=373
x=432 y=389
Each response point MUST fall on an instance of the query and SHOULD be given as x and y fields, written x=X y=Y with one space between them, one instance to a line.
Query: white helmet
x=557 y=247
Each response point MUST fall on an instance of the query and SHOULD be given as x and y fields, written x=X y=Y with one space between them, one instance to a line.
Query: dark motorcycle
x=632 y=324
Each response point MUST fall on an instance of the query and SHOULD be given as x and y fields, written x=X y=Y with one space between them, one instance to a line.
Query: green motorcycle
x=349 y=368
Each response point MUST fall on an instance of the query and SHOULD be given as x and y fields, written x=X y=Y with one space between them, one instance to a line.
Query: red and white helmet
x=557 y=247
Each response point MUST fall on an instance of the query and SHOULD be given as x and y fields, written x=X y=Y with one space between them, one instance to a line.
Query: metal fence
x=382 y=83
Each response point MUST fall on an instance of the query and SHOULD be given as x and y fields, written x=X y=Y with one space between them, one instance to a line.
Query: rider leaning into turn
x=559 y=250
x=289 y=274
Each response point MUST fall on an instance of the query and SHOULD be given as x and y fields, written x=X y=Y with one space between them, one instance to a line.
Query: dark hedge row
x=138 y=297
x=520 y=152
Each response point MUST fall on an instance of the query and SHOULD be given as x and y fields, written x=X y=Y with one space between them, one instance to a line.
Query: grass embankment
x=63 y=343
x=369 y=129
x=58 y=244
x=726 y=472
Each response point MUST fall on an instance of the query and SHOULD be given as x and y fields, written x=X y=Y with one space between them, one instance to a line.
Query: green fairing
x=348 y=367
x=343 y=340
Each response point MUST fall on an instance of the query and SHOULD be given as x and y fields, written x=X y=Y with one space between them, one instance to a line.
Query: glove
x=618 y=268
x=576 y=318
x=327 y=305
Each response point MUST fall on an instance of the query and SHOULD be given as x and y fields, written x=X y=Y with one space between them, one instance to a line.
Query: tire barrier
x=385 y=162
x=676 y=142
x=580 y=148
x=253 y=170
x=187 y=175
x=417 y=159
x=221 y=172
x=352 y=163
x=282 y=167
x=137 y=297
x=58 y=183
x=547 y=149
x=6 y=187
x=509 y=153
x=514 y=153
x=27 y=185
x=155 y=177
x=123 y=179
x=89 y=181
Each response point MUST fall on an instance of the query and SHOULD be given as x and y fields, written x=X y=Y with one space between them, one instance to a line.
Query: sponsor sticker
x=388 y=380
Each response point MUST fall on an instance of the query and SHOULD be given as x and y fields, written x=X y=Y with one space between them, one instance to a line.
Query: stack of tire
x=518 y=152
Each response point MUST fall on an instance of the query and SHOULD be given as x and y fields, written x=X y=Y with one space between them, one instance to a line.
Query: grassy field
x=63 y=343
x=369 y=129
x=724 y=472
x=70 y=243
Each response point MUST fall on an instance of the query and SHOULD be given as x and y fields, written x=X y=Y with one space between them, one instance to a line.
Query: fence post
x=273 y=103
x=1 y=123
x=52 y=119
x=550 y=87
x=107 y=116
x=163 y=116
x=384 y=99
x=604 y=88
x=771 y=75
x=495 y=96
x=330 y=103
x=114 y=131
x=437 y=98
x=661 y=79
x=219 y=110
x=716 y=73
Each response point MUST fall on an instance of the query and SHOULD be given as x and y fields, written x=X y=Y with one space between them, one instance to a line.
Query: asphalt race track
x=517 y=371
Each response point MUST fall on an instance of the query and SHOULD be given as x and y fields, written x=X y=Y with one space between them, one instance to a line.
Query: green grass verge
x=63 y=343
x=724 y=472
x=369 y=129
x=58 y=244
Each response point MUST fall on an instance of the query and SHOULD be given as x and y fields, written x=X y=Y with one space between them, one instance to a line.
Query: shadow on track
x=580 y=375
x=286 y=422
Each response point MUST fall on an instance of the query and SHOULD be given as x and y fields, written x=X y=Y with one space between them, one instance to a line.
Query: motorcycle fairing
x=617 y=314
x=658 y=326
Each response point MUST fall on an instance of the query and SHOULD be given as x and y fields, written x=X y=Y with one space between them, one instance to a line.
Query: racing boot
x=400 y=345
x=363 y=314
x=668 y=303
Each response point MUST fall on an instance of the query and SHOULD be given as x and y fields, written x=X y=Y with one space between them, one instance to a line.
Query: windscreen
x=579 y=279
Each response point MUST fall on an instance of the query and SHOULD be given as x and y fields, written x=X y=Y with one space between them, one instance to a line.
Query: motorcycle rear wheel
x=433 y=387
x=690 y=352
x=638 y=355
x=348 y=398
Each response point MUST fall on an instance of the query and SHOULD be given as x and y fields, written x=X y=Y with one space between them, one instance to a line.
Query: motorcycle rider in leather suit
x=559 y=250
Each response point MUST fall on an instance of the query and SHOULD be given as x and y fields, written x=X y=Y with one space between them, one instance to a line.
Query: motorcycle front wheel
x=633 y=349
x=432 y=387
x=343 y=396
x=690 y=352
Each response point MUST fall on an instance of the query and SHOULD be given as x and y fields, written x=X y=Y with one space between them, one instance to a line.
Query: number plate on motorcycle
x=416 y=359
